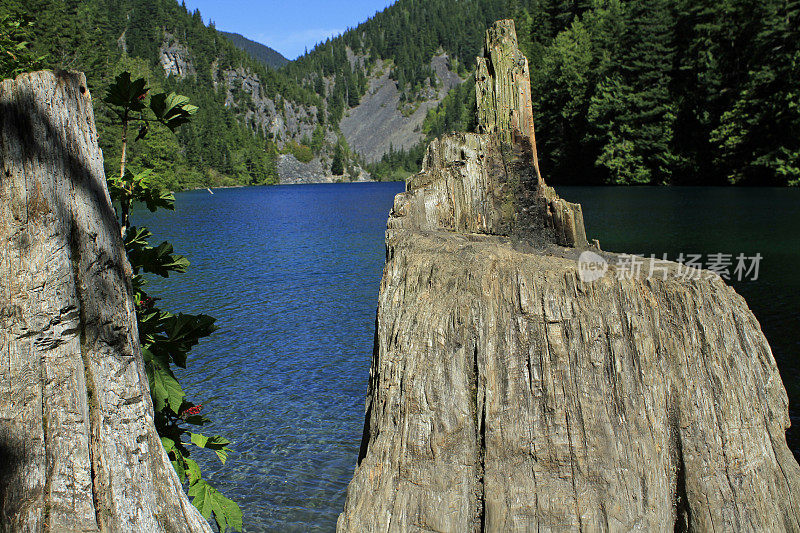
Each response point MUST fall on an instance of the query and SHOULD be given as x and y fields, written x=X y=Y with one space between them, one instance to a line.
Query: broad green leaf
x=126 y=93
x=181 y=333
x=209 y=500
x=154 y=198
x=172 y=109
x=192 y=471
x=136 y=238
x=212 y=443
x=159 y=260
x=222 y=454
x=166 y=390
x=198 y=439
x=216 y=443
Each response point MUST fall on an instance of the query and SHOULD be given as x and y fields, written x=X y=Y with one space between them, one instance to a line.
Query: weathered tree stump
x=507 y=394
x=78 y=448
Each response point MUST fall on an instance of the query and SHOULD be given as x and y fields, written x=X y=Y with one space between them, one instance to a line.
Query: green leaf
x=193 y=471
x=199 y=440
x=165 y=389
x=209 y=501
x=154 y=198
x=172 y=109
x=136 y=238
x=216 y=443
x=168 y=444
x=156 y=260
x=222 y=454
x=182 y=333
x=126 y=93
x=147 y=355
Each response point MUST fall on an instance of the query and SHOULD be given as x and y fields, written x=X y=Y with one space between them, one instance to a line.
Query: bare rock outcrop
x=246 y=95
x=380 y=122
x=78 y=448
x=291 y=171
x=508 y=394
x=174 y=57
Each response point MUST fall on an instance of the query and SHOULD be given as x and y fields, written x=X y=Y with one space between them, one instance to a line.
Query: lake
x=292 y=274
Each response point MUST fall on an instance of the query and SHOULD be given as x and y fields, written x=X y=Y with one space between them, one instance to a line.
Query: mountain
x=244 y=106
x=381 y=79
x=265 y=54
x=256 y=122
x=624 y=91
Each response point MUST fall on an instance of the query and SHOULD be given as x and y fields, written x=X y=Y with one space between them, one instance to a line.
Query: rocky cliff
x=509 y=391
x=294 y=172
x=78 y=448
x=380 y=121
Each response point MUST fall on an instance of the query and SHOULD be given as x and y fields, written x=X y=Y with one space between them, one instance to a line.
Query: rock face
x=78 y=448
x=377 y=122
x=245 y=94
x=291 y=171
x=174 y=58
x=507 y=394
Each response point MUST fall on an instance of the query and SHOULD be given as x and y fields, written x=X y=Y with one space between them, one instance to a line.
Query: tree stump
x=78 y=448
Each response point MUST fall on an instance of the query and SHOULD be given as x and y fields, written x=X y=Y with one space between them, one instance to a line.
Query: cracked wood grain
x=506 y=394
x=78 y=445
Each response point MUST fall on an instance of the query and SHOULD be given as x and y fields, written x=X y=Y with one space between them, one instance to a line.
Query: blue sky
x=287 y=26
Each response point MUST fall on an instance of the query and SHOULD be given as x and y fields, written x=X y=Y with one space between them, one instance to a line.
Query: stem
x=125 y=200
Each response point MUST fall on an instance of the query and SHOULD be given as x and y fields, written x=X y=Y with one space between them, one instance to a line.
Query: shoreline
x=332 y=182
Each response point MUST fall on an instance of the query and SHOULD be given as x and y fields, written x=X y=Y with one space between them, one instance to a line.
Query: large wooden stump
x=507 y=393
x=78 y=448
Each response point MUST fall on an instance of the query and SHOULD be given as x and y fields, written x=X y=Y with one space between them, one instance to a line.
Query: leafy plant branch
x=165 y=338
x=127 y=99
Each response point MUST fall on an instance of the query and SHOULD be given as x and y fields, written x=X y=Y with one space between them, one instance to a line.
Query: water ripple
x=292 y=273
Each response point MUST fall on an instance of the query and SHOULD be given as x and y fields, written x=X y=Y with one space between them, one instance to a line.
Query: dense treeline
x=105 y=37
x=265 y=54
x=661 y=91
x=669 y=91
x=406 y=35
x=625 y=91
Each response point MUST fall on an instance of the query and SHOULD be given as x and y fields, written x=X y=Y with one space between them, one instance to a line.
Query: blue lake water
x=292 y=273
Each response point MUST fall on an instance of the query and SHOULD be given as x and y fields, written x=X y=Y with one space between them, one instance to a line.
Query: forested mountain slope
x=380 y=79
x=232 y=139
x=656 y=91
x=248 y=114
x=624 y=91
x=265 y=54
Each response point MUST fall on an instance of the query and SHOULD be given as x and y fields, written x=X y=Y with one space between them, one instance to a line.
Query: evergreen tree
x=337 y=165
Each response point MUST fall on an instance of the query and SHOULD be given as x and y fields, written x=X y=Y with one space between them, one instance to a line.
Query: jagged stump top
x=489 y=182
x=503 y=89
